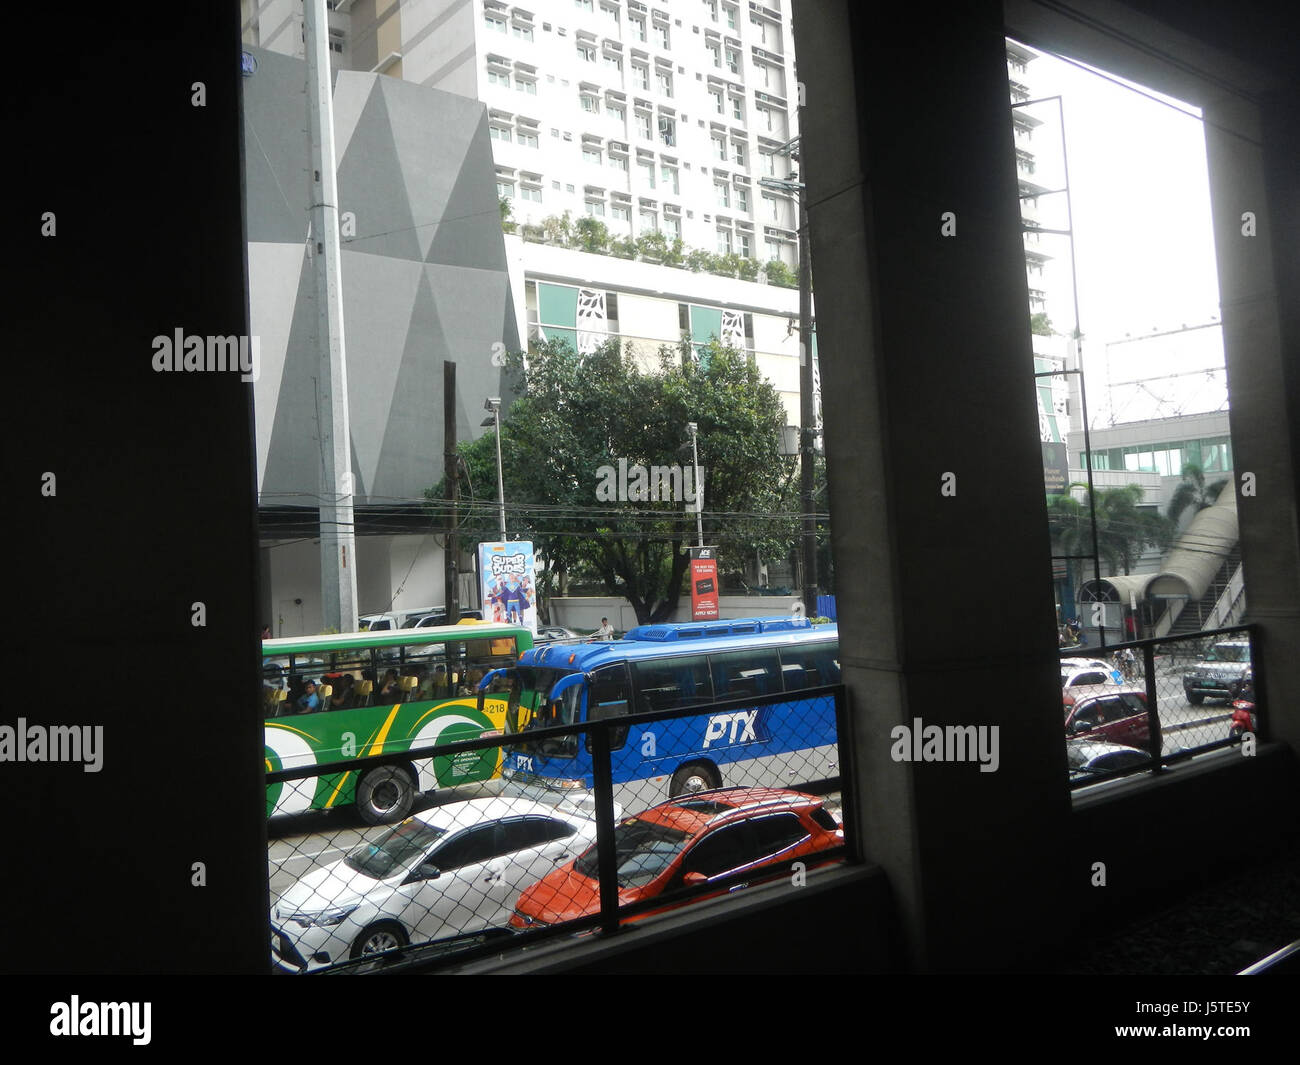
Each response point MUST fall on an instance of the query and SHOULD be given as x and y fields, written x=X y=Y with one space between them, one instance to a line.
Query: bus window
x=810 y=666
x=740 y=673
x=669 y=683
x=609 y=696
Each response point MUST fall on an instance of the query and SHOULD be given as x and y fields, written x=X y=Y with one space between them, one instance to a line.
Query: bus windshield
x=532 y=685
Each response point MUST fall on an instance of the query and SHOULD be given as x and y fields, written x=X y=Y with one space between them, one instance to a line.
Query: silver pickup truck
x=1219 y=673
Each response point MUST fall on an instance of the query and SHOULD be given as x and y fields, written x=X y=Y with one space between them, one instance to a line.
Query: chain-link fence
x=580 y=826
x=1150 y=703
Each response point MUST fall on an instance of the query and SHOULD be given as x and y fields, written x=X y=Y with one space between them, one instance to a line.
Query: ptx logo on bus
x=741 y=723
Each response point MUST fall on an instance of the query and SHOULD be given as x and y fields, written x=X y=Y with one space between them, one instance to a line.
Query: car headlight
x=324 y=919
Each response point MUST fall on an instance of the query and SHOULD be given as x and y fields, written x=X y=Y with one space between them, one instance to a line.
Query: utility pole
x=337 y=531
x=451 y=579
x=807 y=415
x=493 y=404
x=693 y=428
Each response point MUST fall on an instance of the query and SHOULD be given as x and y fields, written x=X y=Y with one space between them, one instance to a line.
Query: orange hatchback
x=691 y=840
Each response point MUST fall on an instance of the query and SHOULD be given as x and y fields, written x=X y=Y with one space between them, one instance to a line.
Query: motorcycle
x=1243 y=709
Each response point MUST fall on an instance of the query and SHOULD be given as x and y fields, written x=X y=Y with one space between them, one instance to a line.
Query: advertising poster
x=704 y=583
x=508 y=583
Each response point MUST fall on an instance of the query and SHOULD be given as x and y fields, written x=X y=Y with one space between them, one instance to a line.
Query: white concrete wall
x=393 y=573
x=584 y=612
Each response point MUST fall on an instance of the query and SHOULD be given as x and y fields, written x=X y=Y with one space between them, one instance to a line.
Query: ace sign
x=704 y=583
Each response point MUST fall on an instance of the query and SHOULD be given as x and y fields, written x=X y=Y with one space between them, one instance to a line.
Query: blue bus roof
x=695 y=630
x=588 y=656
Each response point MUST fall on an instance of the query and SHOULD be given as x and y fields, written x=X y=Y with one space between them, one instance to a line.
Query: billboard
x=508 y=582
x=704 y=583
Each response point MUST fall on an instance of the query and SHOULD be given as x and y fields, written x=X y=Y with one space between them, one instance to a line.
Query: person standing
x=605 y=632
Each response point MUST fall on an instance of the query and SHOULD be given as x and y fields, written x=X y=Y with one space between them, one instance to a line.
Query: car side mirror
x=428 y=871
x=693 y=878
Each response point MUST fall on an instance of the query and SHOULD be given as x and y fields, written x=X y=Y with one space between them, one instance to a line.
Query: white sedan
x=450 y=870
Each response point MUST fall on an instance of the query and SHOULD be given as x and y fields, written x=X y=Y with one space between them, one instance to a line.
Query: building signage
x=704 y=583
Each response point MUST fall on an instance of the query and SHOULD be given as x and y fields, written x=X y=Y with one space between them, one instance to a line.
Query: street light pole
x=693 y=428
x=807 y=415
x=493 y=404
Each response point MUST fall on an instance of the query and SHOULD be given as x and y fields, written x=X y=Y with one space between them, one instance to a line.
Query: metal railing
x=505 y=863
x=1163 y=701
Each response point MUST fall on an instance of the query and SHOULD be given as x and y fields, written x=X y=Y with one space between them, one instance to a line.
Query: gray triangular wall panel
x=275 y=273
x=378 y=294
x=472 y=205
x=293 y=464
x=429 y=153
x=410 y=457
x=371 y=187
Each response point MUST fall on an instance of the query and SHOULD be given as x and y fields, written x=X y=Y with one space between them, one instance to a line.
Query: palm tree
x=1125 y=529
x=1193 y=492
x=1071 y=532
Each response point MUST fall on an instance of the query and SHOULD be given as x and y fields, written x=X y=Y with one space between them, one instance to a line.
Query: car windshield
x=642 y=851
x=1227 y=652
x=396 y=849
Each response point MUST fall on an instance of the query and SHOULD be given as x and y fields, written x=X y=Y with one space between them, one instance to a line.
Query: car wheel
x=385 y=795
x=1196 y=698
x=386 y=935
x=695 y=776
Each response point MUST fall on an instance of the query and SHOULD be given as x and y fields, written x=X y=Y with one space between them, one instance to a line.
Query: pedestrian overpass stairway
x=1193 y=616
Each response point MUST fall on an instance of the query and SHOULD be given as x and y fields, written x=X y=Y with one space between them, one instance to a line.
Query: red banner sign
x=704 y=583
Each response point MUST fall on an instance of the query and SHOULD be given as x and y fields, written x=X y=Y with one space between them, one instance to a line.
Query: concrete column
x=1253 y=152
x=936 y=481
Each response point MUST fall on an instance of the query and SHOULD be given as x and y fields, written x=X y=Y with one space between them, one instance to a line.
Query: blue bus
x=780 y=742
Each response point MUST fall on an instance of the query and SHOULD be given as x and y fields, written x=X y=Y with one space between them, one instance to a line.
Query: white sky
x=1144 y=249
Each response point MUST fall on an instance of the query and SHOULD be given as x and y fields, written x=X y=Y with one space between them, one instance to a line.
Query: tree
x=558 y=230
x=1039 y=323
x=507 y=209
x=698 y=259
x=781 y=275
x=591 y=235
x=579 y=416
x=1070 y=528
x=1193 y=492
x=1124 y=528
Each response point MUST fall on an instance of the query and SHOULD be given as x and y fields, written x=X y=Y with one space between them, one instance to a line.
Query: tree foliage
x=579 y=414
x=1193 y=492
x=1124 y=528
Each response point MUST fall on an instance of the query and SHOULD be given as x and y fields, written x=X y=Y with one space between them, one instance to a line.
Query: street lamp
x=493 y=404
x=806 y=414
x=693 y=429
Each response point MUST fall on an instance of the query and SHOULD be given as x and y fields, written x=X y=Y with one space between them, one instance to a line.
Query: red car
x=686 y=841
x=1108 y=717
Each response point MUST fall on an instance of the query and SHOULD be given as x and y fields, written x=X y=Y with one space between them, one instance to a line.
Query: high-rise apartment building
x=655 y=118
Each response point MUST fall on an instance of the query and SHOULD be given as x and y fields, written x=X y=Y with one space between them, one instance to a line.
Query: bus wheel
x=386 y=935
x=696 y=776
x=385 y=795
